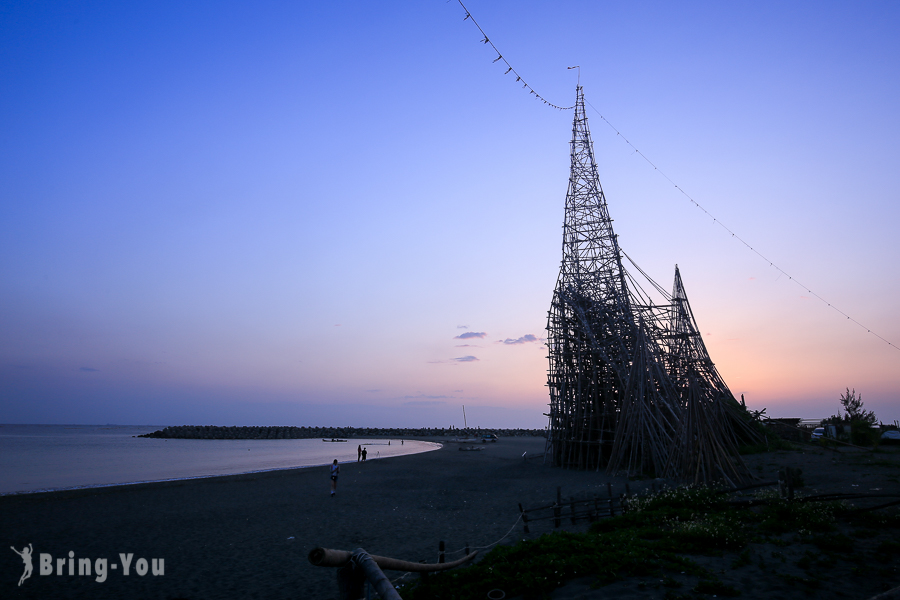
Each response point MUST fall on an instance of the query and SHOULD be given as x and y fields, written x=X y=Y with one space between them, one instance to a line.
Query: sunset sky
x=344 y=213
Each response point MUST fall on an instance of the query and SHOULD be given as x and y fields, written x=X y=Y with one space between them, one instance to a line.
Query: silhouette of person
x=358 y=453
x=364 y=454
x=335 y=470
x=26 y=558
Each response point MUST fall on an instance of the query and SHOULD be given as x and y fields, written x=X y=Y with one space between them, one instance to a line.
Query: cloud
x=88 y=370
x=425 y=400
x=470 y=334
x=467 y=346
x=462 y=326
x=424 y=403
x=525 y=339
x=465 y=359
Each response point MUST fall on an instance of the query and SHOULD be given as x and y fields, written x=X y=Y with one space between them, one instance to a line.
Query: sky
x=346 y=214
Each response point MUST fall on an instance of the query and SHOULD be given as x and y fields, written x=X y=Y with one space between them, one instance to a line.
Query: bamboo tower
x=632 y=387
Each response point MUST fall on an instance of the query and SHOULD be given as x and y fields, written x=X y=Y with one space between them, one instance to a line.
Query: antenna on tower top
x=579 y=72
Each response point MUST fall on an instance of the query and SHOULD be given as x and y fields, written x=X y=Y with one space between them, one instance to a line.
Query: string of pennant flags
x=733 y=234
x=509 y=69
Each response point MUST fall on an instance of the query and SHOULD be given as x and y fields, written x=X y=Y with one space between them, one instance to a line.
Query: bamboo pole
x=325 y=557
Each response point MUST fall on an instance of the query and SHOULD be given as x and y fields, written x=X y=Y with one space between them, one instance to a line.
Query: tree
x=853 y=406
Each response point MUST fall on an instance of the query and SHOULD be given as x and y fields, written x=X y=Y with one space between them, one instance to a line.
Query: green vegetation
x=651 y=541
x=860 y=421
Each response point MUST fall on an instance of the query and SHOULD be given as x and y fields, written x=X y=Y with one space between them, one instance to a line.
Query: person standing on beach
x=358 y=453
x=335 y=470
x=364 y=454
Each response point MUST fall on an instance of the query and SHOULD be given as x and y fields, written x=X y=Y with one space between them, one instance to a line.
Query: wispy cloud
x=424 y=403
x=525 y=339
x=462 y=326
x=470 y=334
x=465 y=359
x=88 y=370
x=425 y=400
x=467 y=346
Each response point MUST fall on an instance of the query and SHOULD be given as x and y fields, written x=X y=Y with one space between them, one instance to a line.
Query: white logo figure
x=26 y=558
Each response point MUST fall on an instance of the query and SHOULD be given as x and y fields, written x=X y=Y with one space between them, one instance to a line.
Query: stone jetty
x=214 y=432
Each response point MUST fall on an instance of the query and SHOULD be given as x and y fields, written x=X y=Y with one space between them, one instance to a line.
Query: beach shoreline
x=204 y=476
x=51 y=460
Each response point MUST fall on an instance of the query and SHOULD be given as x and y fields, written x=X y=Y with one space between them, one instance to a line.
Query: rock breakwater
x=214 y=432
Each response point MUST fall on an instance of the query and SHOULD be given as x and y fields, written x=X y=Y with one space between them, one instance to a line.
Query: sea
x=39 y=458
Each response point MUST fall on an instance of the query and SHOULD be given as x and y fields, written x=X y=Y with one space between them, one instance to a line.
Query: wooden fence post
x=524 y=518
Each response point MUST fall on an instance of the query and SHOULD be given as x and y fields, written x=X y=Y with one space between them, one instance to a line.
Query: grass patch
x=653 y=539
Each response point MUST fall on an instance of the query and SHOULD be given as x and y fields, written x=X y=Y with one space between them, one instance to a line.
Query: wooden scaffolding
x=632 y=387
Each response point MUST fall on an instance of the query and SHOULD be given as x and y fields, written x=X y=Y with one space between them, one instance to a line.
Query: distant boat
x=333 y=440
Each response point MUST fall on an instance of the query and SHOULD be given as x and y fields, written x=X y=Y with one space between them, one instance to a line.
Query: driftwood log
x=357 y=567
x=325 y=557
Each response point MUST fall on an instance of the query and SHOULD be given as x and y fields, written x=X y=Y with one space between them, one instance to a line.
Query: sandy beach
x=248 y=536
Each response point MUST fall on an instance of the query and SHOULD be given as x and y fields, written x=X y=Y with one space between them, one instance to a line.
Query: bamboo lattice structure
x=632 y=386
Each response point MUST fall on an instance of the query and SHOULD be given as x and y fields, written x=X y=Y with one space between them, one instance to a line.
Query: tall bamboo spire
x=591 y=330
x=632 y=387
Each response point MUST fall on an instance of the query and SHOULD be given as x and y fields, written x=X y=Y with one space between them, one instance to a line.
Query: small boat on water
x=333 y=440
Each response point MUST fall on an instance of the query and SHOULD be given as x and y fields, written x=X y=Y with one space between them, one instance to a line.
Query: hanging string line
x=733 y=234
x=462 y=550
x=509 y=68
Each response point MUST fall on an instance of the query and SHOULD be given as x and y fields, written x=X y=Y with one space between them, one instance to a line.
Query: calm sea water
x=51 y=457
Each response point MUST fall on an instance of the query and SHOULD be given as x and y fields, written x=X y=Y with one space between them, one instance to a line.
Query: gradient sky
x=346 y=214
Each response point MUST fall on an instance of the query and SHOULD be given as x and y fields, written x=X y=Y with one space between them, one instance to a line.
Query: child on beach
x=335 y=469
